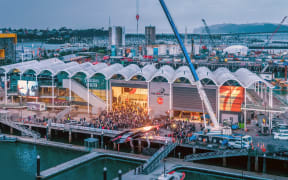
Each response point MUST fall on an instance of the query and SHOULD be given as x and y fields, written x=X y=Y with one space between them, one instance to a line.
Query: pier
x=68 y=165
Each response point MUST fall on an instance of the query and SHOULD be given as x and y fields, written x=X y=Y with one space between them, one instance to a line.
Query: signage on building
x=159 y=98
x=231 y=98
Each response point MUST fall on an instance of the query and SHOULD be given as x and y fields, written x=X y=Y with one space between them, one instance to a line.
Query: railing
x=154 y=161
x=61 y=114
x=217 y=154
x=99 y=130
x=82 y=92
x=22 y=129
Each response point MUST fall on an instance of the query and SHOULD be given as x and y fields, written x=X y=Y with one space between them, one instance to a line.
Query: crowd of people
x=122 y=116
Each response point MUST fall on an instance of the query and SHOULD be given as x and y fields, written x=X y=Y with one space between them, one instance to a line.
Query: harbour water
x=18 y=161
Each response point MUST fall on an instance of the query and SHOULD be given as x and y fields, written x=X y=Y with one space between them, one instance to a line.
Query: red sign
x=160 y=100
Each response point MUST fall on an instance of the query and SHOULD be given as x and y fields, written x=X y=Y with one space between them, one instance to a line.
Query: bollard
x=264 y=163
x=135 y=170
x=11 y=130
x=38 y=167
x=105 y=173
x=120 y=175
x=179 y=155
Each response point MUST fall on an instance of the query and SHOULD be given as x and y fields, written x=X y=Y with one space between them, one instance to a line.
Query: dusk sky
x=95 y=13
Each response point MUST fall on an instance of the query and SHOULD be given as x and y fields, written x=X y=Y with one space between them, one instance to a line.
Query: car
x=238 y=145
x=281 y=136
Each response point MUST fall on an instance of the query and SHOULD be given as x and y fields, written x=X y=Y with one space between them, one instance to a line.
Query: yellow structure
x=9 y=35
x=2 y=53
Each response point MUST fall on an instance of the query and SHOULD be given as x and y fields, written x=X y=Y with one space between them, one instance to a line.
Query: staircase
x=265 y=68
x=97 y=103
x=217 y=154
x=61 y=114
x=24 y=130
x=154 y=161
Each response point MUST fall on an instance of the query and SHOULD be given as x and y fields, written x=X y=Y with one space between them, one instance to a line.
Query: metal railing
x=154 y=161
x=217 y=154
x=23 y=129
x=82 y=92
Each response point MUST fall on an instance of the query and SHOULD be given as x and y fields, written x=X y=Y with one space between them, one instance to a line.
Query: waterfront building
x=163 y=92
x=8 y=43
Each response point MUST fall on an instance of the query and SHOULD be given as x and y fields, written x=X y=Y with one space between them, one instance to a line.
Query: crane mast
x=276 y=30
x=208 y=32
x=199 y=86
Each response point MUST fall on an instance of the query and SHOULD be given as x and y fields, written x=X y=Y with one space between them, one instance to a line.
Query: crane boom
x=276 y=30
x=208 y=32
x=199 y=86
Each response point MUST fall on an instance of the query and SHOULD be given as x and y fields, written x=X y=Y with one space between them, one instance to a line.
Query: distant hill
x=242 y=28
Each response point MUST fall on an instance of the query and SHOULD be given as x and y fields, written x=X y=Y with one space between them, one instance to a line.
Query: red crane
x=276 y=30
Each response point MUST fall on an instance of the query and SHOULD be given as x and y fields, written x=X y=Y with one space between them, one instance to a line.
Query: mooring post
x=70 y=136
x=248 y=162
x=139 y=145
x=11 y=130
x=114 y=146
x=224 y=160
x=120 y=175
x=38 y=167
x=105 y=173
x=102 y=139
x=264 y=163
x=194 y=150
x=256 y=163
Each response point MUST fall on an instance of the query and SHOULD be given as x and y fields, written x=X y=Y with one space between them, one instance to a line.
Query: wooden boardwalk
x=68 y=165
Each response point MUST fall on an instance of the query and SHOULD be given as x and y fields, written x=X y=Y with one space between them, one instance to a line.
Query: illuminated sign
x=160 y=100
x=231 y=98
x=2 y=53
x=27 y=88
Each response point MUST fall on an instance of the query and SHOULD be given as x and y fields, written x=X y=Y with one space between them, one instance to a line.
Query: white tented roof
x=243 y=76
x=236 y=49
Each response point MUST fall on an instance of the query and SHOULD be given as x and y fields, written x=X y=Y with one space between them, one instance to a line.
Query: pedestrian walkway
x=154 y=161
x=216 y=154
x=22 y=129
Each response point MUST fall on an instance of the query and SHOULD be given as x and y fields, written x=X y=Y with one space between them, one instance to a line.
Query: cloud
x=95 y=13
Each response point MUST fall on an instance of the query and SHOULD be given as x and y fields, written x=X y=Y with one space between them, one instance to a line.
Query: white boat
x=4 y=138
x=172 y=175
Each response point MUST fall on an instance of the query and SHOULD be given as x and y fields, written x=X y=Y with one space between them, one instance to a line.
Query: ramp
x=154 y=161
x=24 y=130
x=68 y=165
x=61 y=114
x=96 y=102
x=218 y=154
x=265 y=68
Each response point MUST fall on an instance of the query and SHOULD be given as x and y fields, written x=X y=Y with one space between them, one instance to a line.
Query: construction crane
x=199 y=86
x=137 y=17
x=208 y=32
x=276 y=30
